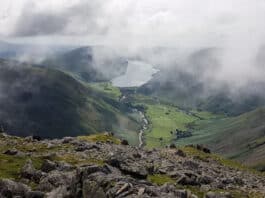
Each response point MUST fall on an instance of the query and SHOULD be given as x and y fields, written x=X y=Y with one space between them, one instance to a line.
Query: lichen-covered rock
x=10 y=152
x=35 y=194
x=218 y=195
x=48 y=166
x=56 y=179
x=76 y=168
x=130 y=167
x=9 y=188
x=180 y=153
x=92 y=190
x=59 y=192
x=28 y=171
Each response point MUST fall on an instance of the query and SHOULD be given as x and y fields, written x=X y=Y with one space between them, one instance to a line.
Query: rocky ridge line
x=100 y=167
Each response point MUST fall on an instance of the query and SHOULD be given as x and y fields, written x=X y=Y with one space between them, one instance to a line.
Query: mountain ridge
x=104 y=166
x=51 y=103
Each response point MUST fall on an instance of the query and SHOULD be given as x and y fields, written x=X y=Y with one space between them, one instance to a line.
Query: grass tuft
x=100 y=138
x=160 y=179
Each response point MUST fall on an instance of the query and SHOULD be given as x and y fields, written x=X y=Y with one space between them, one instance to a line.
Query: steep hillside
x=91 y=64
x=224 y=103
x=241 y=138
x=102 y=166
x=50 y=103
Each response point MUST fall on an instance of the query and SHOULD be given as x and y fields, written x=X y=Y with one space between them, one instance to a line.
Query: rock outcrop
x=77 y=167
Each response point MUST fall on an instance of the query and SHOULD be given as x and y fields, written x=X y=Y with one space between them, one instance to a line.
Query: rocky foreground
x=102 y=166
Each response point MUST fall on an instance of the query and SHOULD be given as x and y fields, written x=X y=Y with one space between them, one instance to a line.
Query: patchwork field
x=164 y=120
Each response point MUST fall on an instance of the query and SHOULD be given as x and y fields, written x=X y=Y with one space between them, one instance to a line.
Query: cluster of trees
x=181 y=134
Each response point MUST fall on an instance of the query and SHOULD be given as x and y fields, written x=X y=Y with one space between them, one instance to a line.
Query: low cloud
x=79 y=19
x=40 y=24
x=177 y=29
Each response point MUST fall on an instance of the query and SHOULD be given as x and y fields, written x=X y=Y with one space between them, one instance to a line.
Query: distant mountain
x=50 y=103
x=29 y=52
x=91 y=64
x=190 y=85
x=174 y=86
x=223 y=103
x=8 y=50
x=182 y=83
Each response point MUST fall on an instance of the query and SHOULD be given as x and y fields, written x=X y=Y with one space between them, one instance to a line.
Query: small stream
x=144 y=122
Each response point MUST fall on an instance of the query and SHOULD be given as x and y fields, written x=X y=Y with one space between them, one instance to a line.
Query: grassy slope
x=128 y=126
x=164 y=118
x=10 y=166
x=106 y=88
x=239 y=137
x=50 y=103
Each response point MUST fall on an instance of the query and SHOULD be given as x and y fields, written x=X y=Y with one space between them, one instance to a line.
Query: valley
x=132 y=99
x=239 y=138
x=162 y=116
x=153 y=110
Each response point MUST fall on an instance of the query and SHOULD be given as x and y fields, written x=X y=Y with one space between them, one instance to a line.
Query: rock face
x=9 y=188
x=74 y=168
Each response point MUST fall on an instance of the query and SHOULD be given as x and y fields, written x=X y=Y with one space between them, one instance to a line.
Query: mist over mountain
x=90 y=63
x=30 y=52
x=192 y=82
x=189 y=80
x=132 y=98
x=183 y=25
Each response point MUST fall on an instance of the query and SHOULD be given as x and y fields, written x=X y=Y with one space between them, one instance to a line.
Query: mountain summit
x=102 y=166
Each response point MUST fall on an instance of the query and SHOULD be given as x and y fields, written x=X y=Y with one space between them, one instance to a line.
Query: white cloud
x=236 y=26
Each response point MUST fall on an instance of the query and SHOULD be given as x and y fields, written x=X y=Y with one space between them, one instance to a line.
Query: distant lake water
x=137 y=74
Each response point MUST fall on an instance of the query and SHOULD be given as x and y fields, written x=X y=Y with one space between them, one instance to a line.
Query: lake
x=137 y=74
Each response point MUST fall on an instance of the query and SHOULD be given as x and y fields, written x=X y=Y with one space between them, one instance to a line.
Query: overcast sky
x=236 y=26
x=156 y=22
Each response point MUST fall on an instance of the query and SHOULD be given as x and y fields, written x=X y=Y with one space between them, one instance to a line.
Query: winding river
x=144 y=122
x=137 y=74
